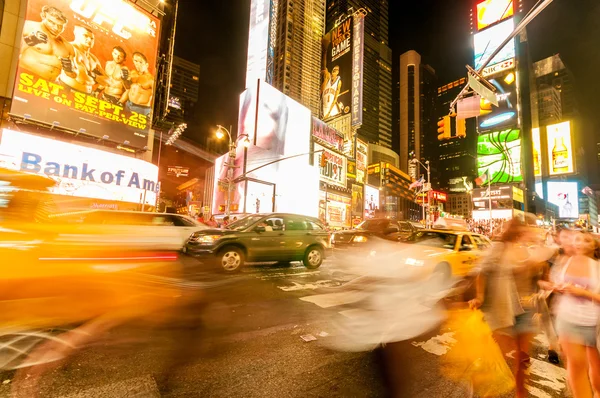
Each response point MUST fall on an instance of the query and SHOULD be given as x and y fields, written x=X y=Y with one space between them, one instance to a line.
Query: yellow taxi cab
x=447 y=251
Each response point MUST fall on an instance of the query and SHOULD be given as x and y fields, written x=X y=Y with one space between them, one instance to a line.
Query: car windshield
x=373 y=225
x=417 y=225
x=440 y=240
x=244 y=223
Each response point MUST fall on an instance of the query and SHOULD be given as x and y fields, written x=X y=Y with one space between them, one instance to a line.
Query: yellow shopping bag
x=476 y=357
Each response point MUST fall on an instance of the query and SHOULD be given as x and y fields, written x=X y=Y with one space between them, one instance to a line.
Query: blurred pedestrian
x=225 y=222
x=212 y=222
x=578 y=313
x=505 y=289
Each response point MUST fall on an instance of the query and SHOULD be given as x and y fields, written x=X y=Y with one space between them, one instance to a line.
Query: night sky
x=214 y=34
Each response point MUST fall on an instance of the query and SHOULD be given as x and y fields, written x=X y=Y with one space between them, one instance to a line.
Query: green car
x=263 y=238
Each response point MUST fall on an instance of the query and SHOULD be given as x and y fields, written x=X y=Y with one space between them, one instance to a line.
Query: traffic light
x=323 y=160
x=444 y=129
x=461 y=128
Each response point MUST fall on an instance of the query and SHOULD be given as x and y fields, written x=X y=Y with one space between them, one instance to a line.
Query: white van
x=132 y=229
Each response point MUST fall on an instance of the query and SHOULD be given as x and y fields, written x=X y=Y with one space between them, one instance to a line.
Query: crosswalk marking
x=333 y=299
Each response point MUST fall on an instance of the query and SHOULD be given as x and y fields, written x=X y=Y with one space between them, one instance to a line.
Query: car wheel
x=313 y=258
x=231 y=259
x=443 y=271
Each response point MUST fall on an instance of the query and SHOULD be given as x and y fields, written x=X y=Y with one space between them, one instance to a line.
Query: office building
x=377 y=66
x=418 y=115
x=551 y=72
x=379 y=153
x=185 y=79
x=297 y=66
x=457 y=153
x=549 y=105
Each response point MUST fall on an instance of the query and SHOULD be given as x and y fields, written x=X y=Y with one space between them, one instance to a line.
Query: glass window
x=482 y=242
x=315 y=226
x=405 y=227
x=180 y=221
x=295 y=224
x=244 y=223
x=435 y=239
x=273 y=224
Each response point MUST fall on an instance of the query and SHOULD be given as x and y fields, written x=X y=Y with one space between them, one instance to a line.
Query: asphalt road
x=252 y=344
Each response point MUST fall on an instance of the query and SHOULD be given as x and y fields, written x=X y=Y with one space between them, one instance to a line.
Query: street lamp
x=220 y=134
x=426 y=184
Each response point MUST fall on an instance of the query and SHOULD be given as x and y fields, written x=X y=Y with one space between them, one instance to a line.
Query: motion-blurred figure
x=506 y=288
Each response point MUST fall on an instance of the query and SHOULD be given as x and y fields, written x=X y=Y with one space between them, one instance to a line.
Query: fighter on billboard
x=336 y=76
x=85 y=65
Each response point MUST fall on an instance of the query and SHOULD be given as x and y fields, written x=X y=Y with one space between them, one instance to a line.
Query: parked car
x=117 y=228
x=383 y=228
x=263 y=238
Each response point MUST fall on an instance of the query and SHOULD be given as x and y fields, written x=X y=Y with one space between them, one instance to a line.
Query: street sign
x=482 y=90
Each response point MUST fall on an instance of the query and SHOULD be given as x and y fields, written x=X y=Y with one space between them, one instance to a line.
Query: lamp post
x=428 y=169
x=221 y=131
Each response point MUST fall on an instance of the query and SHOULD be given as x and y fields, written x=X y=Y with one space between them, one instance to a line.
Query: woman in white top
x=577 y=316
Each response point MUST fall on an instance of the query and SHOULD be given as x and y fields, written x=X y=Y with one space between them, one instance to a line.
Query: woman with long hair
x=577 y=316
x=506 y=286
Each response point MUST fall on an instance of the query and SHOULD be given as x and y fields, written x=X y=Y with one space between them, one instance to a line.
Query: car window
x=466 y=240
x=435 y=239
x=405 y=227
x=296 y=224
x=315 y=226
x=180 y=221
x=373 y=225
x=273 y=224
x=244 y=222
x=481 y=242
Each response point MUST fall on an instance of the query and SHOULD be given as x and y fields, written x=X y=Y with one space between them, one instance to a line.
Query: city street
x=254 y=346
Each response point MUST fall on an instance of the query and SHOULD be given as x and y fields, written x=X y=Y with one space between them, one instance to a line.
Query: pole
x=158 y=165
x=428 y=192
x=490 y=203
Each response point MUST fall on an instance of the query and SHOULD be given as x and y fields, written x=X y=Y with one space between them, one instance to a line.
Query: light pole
x=426 y=187
x=221 y=131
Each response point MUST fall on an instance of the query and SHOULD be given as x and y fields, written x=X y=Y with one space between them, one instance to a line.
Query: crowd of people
x=483 y=226
x=527 y=277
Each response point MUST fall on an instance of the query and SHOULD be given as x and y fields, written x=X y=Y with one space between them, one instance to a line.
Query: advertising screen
x=88 y=66
x=560 y=149
x=357 y=200
x=460 y=184
x=336 y=80
x=358 y=49
x=499 y=153
x=491 y=11
x=327 y=134
x=260 y=48
x=361 y=161
x=506 y=113
x=566 y=196
x=487 y=41
x=281 y=128
x=371 y=201
x=537 y=152
x=80 y=171
x=332 y=166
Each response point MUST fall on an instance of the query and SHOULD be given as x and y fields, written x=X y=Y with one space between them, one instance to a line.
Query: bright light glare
x=246 y=142
x=220 y=134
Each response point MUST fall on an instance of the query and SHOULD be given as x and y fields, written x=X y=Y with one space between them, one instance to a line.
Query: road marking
x=536 y=392
x=287 y=275
x=309 y=286
x=438 y=345
x=552 y=376
x=334 y=299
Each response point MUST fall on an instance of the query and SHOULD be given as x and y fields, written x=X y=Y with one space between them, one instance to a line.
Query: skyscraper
x=418 y=117
x=185 y=78
x=377 y=66
x=297 y=67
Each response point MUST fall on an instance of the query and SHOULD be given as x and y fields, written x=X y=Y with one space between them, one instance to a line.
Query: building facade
x=376 y=126
x=457 y=153
x=183 y=96
x=297 y=66
x=418 y=116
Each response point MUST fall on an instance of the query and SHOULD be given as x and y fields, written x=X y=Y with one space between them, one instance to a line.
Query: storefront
x=396 y=200
x=85 y=177
x=506 y=202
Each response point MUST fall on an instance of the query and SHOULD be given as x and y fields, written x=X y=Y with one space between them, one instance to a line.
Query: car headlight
x=360 y=239
x=204 y=238
x=414 y=262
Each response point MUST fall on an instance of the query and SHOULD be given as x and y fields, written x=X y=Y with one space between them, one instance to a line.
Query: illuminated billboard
x=491 y=11
x=88 y=66
x=332 y=166
x=487 y=41
x=499 y=153
x=80 y=171
x=261 y=36
x=506 y=113
x=362 y=151
x=358 y=50
x=537 y=152
x=560 y=149
x=566 y=196
x=371 y=201
x=281 y=128
x=337 y=80
x=327 y=135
